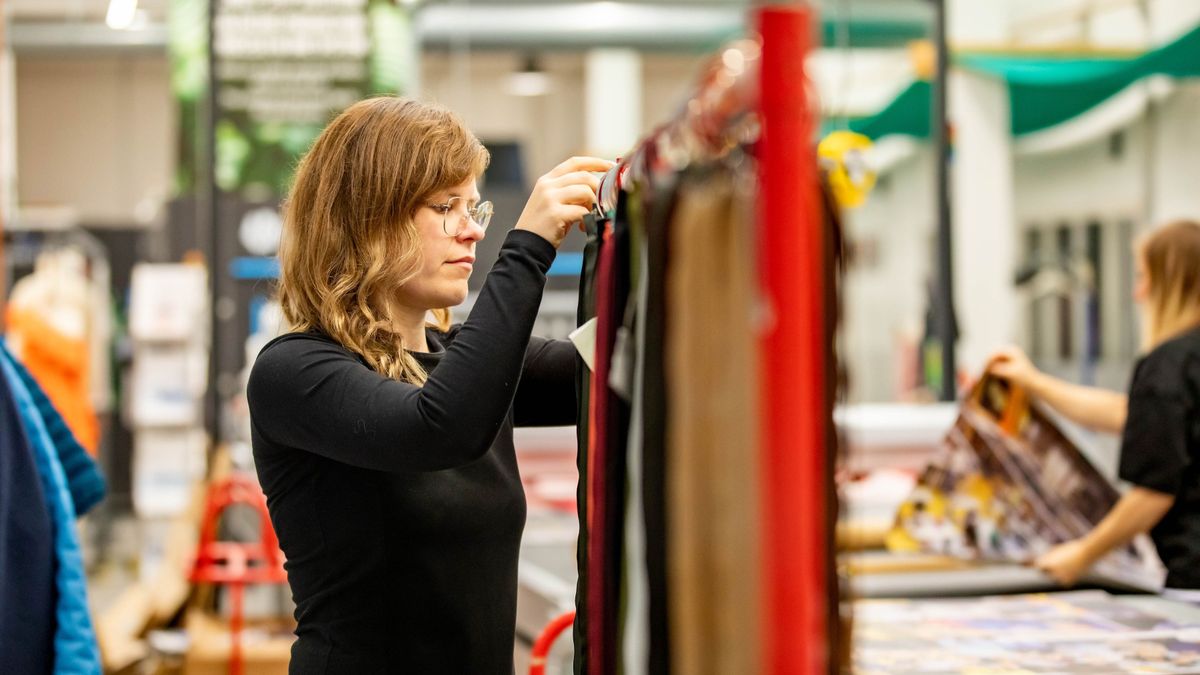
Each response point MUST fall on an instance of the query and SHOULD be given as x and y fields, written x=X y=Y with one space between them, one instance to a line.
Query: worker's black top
x=399 y=508
x=1161 y=449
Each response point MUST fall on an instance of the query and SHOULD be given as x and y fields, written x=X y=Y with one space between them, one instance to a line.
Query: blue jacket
x=75 y=648
x=27 y=593
x=84 y=480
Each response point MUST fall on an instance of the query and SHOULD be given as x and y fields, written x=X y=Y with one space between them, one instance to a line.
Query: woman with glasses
x=382 y=435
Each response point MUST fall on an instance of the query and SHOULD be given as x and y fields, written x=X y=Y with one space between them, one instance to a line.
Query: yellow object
x=900 y=541
x=923 y=56
x=843 y=155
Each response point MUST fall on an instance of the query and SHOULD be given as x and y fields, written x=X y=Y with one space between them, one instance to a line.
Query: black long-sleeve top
x=400 y=508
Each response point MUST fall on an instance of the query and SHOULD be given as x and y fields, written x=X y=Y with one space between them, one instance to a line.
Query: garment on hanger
x=586 y=310
x=633 y=623
x=654 y=422
x=75 y=648
x=603 y=458
x=60 y=363
x=27 y=566
x=54 y=330
x=84 y=480
x=711 y=369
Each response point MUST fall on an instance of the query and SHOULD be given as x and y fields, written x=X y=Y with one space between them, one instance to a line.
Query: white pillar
x=1174 y=142
x=613 y=101
x=983 y=212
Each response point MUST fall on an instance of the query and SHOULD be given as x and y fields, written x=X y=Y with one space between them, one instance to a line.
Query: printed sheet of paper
x=1007 y=485
x=1078 y=632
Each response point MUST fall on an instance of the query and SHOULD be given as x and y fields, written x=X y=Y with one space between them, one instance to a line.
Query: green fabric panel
x=1043 y=91
x=1034 y=108
x=907 y=114
x=1181 y=58
x=1042 y=71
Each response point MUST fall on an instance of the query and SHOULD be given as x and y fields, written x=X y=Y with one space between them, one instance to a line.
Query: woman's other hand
x=1011 y=364
x=1066 y=562
x=562 y=197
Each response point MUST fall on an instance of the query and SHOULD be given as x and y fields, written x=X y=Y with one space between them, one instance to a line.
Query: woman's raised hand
x=1010 y=363
x=562 y=197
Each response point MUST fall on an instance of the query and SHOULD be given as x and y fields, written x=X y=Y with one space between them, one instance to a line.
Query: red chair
x=236 y=564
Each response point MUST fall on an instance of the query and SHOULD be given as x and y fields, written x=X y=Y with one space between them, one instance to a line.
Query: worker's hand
x=1011 y=364
x=1066 y=562
x=562 y=197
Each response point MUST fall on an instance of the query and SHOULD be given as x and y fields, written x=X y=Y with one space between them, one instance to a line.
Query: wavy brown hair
x=1171 y=256
x=349 y=239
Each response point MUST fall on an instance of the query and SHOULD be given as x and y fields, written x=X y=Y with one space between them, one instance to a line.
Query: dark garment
x=606 y=464
x=27 y=558
x=654 y=423
x=583 y=383
x=84 y=479
x=400 y=508
x=1161 y=449
x=599 y=661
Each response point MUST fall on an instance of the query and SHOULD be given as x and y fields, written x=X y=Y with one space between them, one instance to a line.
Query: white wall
x=1177 y=155
x=96 y=133
x=1152 y=181
x=884 y=296
x=1147 y=184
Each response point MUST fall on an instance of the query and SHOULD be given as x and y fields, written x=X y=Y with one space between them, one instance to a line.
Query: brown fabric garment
x=712 y=450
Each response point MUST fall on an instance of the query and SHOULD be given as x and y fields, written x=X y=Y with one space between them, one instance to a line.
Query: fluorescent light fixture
x=530 y=80
x=121 y=14
x=606 y=14
x=528 y=84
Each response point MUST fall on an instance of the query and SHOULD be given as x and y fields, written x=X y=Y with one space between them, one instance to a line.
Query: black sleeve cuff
x=534 y=246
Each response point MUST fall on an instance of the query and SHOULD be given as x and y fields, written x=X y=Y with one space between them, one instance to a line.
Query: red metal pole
x=791 y=254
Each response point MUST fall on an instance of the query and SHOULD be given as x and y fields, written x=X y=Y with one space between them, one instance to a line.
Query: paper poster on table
x=1007 y=485
x=1075 y=632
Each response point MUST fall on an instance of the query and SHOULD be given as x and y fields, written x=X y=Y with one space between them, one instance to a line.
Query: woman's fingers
x=575 y=164
x=579 y=195
x=579 y=178
x=571 y=213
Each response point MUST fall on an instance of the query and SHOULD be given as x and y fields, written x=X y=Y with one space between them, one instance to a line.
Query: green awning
x=907 y=114
x=1043 y=92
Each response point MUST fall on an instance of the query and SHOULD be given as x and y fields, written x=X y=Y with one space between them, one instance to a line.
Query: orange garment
x=60 y=364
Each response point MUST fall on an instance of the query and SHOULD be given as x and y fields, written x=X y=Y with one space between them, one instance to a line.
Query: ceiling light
x=121 y=14
x=530 y=80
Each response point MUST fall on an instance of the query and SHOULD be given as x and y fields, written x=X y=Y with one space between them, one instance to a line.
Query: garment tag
x=584 y=339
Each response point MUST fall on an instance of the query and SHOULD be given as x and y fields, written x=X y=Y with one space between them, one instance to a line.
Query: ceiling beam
x=564 y=26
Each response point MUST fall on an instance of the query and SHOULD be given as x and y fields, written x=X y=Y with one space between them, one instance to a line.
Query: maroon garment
x=599 y=583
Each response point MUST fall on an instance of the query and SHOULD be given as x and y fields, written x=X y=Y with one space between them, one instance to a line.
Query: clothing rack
x=754 y=95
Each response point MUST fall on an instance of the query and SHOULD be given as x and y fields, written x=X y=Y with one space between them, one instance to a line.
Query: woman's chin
x=456 y=298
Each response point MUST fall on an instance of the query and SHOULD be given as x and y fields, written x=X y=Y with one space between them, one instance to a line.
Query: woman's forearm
x=1136 y=512
x=1092 y=407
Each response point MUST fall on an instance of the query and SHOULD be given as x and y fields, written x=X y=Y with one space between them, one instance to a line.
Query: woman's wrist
x=1092 y=548
x=1035 y=383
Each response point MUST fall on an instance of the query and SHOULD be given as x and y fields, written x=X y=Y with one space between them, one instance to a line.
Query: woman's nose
x=471 y=231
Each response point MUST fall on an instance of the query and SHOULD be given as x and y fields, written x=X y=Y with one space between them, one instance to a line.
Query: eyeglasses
x=455 y=214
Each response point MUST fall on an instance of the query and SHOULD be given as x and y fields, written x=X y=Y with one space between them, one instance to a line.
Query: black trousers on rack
x=583 y=382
